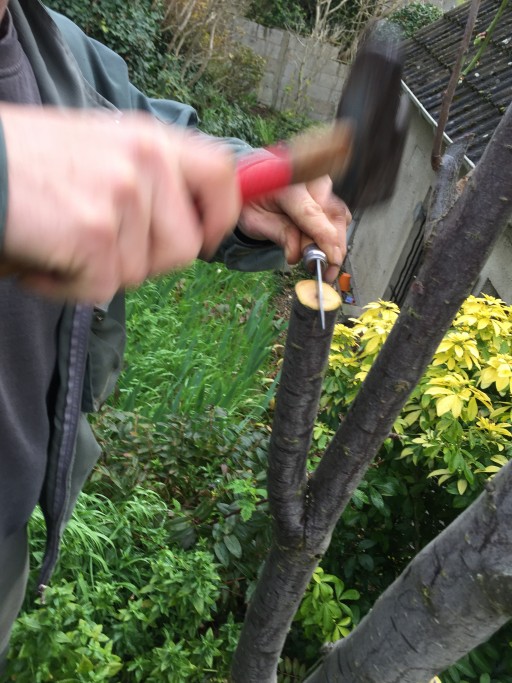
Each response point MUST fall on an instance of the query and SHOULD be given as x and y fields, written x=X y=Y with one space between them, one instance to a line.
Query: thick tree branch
x=289 y=566
x=458 y=249
x=453 y=596
x=305 y=359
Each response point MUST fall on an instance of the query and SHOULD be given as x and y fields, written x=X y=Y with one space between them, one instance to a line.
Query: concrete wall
x=497 y=272
x=383 y=231
x=300 y=75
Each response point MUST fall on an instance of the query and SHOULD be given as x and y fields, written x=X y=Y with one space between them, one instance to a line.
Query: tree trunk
x=453 y=596
x=306 y=514
x=292 y=559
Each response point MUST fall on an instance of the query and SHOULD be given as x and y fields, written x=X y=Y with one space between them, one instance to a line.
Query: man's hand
x=96 y=204
x=298 y=215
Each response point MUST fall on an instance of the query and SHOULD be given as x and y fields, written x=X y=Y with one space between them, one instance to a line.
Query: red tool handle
x=261 y=173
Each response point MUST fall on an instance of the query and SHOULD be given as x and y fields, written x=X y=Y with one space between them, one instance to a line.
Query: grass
x=200 y=339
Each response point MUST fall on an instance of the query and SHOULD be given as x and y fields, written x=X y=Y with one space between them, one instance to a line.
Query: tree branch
x=452 y=85
x=453 y=596
x=459 y=247
x=289 y=565
x=488 y=35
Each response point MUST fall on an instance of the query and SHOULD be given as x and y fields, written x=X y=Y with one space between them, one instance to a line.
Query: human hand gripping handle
x=95 y=204
x=308 y=212
x=326 y=151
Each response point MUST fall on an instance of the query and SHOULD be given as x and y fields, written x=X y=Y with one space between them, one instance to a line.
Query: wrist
x=251 y=241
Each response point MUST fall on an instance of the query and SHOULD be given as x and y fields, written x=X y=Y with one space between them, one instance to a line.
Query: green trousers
x=13 y=582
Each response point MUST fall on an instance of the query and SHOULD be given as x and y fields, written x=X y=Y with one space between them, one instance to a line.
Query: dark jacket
x=72 y=70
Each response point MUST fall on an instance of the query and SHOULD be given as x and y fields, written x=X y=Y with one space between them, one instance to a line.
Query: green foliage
x=291 y=670
x=133 y=30
x=416 y=15
x=198 y=339
x=456 y=422
x=211 y=474
x=452 y=436
x=239 y=73
x=139 y=606
x=162 y=549
x=60 y=642
x=278 y=14
x=489 y=663
x=323 y=614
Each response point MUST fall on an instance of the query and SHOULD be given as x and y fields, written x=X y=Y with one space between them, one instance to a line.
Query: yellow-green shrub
x=457 y=422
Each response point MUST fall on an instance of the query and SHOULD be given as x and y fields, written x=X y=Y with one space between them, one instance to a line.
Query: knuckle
x=149 y=145
x=125 y=182
x=310 y=209
x=143 y=143
x=99 y=228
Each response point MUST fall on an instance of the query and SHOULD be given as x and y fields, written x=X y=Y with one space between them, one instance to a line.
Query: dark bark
x=290 y=563
x=459 y=245
x=454 y=595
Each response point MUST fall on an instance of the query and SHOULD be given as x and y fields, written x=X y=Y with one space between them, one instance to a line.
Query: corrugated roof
x=483 y=95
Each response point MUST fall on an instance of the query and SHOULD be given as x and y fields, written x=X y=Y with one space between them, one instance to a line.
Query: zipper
x=78 y=347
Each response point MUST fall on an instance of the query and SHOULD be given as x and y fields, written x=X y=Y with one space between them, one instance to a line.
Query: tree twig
x=452 y=85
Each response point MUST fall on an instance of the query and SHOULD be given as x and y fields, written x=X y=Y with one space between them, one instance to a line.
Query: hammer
x=361 y=151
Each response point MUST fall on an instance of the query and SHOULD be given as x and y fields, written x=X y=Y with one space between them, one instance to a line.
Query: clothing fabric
x=28 y=343
x=71 y=70
x=17 y=80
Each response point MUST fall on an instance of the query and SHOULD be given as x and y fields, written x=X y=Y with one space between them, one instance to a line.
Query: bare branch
x=452 y=85
x=488 y=35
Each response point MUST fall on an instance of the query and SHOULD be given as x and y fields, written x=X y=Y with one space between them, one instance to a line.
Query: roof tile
x=482 y=97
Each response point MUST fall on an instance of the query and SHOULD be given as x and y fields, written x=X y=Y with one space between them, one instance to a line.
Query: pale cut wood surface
x=307 y=294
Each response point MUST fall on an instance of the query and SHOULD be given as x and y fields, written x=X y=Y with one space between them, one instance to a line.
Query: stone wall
x=300 y=75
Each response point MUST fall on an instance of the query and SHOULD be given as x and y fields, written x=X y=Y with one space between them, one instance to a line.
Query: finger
x=265 y=224
x=210 y=174
x=337 y=213
x=175 y=232
x=322 y=224
x=134 y=241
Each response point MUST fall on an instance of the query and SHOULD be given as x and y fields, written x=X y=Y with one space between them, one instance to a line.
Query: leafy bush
x=456 y=422
x=211 y=473
x=133 y=30
x=135 y=605
x=415 y=16
x=453 y=434
x=278 y=14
